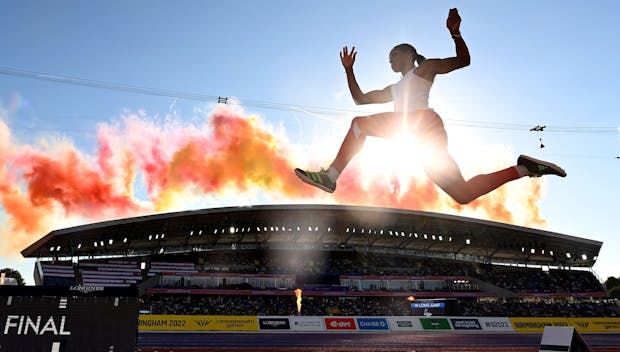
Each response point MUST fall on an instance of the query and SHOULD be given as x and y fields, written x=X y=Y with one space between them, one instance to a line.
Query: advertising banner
x=536 y=324
x=197 y=323
x=376 y=324
x=341 y=323
x=595 y=324
x=465 y=324
x=404 y=323
x=274 y=323
x=495 y=324
x=300 y=323
x=435 y=324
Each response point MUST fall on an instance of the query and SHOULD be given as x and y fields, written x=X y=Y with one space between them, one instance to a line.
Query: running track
x=349 y=342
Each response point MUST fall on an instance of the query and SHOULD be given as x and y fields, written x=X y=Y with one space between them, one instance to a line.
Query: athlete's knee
x=460 y=194
x=356 y=126
x=462 y=199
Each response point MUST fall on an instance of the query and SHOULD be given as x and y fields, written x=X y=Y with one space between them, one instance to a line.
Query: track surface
x=389 y=342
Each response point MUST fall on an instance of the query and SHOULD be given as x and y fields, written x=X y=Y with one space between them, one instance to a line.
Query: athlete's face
x=399 y=60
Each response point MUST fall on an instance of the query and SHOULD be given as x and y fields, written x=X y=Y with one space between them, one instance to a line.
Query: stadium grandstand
x=347 y=260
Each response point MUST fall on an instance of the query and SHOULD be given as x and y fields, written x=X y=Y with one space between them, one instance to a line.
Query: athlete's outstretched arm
x=462 y=58
x=373 y=97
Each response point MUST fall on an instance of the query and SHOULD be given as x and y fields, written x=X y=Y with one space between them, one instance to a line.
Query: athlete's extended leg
x=444 y=171
x=447 y=175
x=378 y=125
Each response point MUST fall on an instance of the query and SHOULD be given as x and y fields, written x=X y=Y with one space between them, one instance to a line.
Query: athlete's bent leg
x=379 y=125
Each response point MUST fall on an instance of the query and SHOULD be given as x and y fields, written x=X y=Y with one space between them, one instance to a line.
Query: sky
x=110 y=109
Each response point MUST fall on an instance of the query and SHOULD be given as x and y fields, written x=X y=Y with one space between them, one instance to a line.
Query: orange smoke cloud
x=43 y=188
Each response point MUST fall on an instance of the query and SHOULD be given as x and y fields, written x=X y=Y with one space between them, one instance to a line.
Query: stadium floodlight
x=468 y=241
x=551 y=253
x=402 y=233
x=125 y=240
x=347 y=230
x=51 y=249
x=317 y=229
x=425 y=236
x=595 y=257
x=532 y=251
x=199 y=232
x=79 y=245
x=191 y=233
x=157 y=236
x=150 y=237
x=102 y=244
x=381 y=232
x=309 y=228
x=163 y=235
x=298 y=229
x=450 y=239
x=567 y=255
x=584 y=257
x=232 y=229
x=57 y=248
x=433 y=237
x=390 y=232
x=329 y=229
x=415 y=235
x=110 y=241
x=95 y=243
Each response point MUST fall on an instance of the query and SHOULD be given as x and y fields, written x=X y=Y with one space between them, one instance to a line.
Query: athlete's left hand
x=454 y=21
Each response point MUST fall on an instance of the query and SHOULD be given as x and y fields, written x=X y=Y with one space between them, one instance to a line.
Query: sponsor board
x=465 y=324
x=435 y=324
x=372 y=324
x=536 y=324
x=340 y=324
x=149 y=322
x=595 y=324
x=404 y=323
x=274 y=323
x=495 y=324
x=300 y=323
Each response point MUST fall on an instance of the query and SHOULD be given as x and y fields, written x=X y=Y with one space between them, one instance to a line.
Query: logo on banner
x=274 y=324
x=404 y=323
x=435 y=324
x=340 y=323
x=307 y=323
x=466 y=324
x=372 y=324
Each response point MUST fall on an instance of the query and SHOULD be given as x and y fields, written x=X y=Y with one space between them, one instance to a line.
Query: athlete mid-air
x=413 y=115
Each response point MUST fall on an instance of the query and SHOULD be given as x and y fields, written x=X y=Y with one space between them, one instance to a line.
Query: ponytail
x=417 y=58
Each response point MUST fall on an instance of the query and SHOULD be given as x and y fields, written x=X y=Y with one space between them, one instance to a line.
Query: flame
x=298 y=295
x=53 y=184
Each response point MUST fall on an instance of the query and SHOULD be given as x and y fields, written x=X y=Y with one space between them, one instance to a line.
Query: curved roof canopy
x=319 y=227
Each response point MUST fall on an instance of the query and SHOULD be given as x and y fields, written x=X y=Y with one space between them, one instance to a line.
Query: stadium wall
x=226 y=323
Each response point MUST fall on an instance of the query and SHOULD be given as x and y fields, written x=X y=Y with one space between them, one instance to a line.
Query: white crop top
x=410 y=93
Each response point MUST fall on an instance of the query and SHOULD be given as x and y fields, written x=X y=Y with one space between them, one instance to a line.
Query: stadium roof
x=318 y=227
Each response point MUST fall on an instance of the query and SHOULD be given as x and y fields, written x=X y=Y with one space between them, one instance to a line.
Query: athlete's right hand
x=348 y=58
